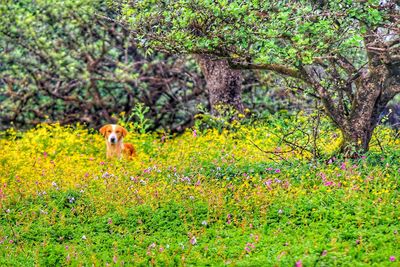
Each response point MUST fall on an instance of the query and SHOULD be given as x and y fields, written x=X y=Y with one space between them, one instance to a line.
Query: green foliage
x=278 y=32
x=70 y=61
x=141 y=123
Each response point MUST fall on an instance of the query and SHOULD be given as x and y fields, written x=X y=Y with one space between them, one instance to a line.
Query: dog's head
x=113 y=133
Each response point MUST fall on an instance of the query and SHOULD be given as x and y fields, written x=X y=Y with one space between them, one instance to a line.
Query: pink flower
x=328 y=183
x=392 y=258
x=277 y=170
x=298 y=264
x=194 y=133
x=343 y=166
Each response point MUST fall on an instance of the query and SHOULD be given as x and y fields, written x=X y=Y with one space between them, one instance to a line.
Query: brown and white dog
x=114 y=135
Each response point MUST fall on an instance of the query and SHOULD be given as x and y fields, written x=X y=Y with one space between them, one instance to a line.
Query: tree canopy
x=344 y=53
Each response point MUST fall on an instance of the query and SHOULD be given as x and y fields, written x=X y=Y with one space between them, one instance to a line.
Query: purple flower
x=194 y=133
x=343 y=166
x=193 y=240
x=392 y=258
x=324 y=253
x=277 y=171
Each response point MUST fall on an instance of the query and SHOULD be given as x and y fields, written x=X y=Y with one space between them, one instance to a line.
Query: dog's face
x=113 y=133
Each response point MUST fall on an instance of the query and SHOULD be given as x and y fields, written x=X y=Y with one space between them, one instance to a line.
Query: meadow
x=203 y=198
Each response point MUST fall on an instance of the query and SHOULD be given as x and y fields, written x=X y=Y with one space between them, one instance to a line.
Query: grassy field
x=202 y=198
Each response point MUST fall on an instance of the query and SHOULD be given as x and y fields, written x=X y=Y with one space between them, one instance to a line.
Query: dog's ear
x=103 y=130
x=124 y=131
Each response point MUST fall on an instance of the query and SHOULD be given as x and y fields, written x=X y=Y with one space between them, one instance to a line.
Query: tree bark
x=224 y=84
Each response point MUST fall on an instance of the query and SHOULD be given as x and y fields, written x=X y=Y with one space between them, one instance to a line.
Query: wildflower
x=343 y=166
x=45 y=154
x=109 y=221
x=298 y=264
x=324 y=253
x=329 y=183
x=392 y=258
x=250 y=245
x=83 y=237
x=193 y=240
x=191 y=198
x=71 y=199
x=8 y=210
x=102 y=163
x=247 y=249
x=280 y=211
x=277 y=171
x=194 y=133
x=115 y=259
x=204 y=223
x=161 y=249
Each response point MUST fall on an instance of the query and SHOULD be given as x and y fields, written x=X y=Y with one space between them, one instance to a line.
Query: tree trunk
x=224 y=84
x=369 y=102
x=356 y=139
